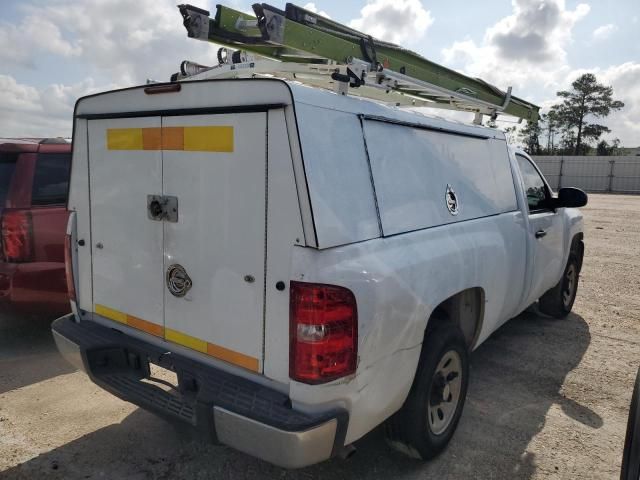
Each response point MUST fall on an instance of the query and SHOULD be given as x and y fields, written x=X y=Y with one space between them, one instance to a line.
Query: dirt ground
x=547 y=399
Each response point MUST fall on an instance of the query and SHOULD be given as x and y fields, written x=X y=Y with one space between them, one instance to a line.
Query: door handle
x=540 y=233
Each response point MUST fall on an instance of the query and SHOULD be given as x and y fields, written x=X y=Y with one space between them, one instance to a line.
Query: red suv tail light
x=323 y=332
x=16 y=231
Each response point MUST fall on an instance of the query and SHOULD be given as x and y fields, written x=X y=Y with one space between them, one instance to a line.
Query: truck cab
x=307 y=265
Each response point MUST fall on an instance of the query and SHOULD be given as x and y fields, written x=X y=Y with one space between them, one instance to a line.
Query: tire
x=417 y=429
x=558 y=301
x=631 y=454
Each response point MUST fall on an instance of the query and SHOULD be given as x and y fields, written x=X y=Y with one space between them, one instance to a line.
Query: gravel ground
x=548 y=398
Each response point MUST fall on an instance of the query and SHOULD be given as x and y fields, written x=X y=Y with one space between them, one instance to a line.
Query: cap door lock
x=162 y=207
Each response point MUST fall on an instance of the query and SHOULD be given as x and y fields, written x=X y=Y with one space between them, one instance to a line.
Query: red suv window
x=51 y=179
x=7 y=166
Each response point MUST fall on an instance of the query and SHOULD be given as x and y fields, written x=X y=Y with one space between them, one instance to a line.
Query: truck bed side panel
x=398 y=282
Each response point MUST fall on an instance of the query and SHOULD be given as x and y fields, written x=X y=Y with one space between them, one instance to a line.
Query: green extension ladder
x=303 y=45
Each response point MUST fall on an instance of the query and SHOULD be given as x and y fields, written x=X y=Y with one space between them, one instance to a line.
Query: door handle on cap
x=540 y=233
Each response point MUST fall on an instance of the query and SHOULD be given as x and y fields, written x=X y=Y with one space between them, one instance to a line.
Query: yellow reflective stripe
x=188 y=139
x=124 y=139
x=111 y=313
x=208 y=139
x=175 y=336
x=185 y=340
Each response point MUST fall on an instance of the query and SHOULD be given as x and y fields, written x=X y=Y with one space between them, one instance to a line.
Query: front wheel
x=425 y=424
x=558 y=301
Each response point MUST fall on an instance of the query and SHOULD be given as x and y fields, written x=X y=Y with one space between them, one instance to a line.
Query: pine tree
x=588 y=98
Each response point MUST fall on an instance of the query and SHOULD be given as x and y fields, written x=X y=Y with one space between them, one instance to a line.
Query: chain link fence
x=592 y=174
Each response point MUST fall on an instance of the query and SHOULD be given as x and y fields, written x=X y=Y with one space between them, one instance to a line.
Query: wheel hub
x=445 y=392
x=571 y=279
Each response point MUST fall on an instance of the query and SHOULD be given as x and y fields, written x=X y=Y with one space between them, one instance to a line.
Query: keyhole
x=155 y=208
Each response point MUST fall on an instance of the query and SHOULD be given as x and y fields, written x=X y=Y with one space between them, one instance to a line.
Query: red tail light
x=68 y=267
x=16 y=230
x=323 y=332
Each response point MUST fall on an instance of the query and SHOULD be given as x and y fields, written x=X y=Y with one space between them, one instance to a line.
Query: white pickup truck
x=308 y=265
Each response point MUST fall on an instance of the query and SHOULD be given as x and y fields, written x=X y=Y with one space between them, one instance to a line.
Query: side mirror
x=571 y=197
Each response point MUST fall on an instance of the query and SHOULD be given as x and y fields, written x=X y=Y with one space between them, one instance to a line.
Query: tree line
x=570 y=127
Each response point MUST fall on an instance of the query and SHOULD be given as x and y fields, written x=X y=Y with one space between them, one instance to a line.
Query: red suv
x=34 y=182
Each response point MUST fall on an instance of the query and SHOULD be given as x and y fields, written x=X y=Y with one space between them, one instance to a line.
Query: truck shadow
x=517 y=375
x=27 y=351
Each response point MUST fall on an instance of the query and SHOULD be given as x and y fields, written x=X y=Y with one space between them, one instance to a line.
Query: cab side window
x=7 y=167
x=535 y=188
x=51 y=179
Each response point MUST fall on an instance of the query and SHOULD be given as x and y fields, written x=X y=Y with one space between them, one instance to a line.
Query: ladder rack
x=297 y=44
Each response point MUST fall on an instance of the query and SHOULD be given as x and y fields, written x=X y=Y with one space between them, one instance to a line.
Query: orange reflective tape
x=151 y=138
x=145 y=326
x=172 y=138
x=231 y=356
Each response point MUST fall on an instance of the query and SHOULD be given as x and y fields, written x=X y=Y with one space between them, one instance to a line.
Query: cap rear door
x=125 y=165
x=215 y=166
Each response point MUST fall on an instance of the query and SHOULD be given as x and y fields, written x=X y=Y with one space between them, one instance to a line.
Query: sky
x=54 y=51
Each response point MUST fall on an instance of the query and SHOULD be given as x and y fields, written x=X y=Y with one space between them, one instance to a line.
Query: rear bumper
x=37 y=287
x=232 y=410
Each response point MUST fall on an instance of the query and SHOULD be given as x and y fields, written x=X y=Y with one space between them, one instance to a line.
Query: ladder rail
x=298 y=36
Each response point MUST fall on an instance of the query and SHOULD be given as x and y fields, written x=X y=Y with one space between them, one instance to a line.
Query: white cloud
x=524 y=49
x=107 y=36
x=604 y=31
x=312 y=8
x=396 y=21
x=101 y=37
x=625 y=80
x=34 y=34
x=15 y=97
x=528 y=50
x=538 y=30
x=32 y=112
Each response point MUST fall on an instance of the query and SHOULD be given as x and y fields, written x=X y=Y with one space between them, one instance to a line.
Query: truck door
x=125 y=165
x=546 y=232
x=218 y=179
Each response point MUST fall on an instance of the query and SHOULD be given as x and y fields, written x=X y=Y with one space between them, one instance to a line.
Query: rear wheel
x=558 y=301
x=426 y=422
x=631 y=454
